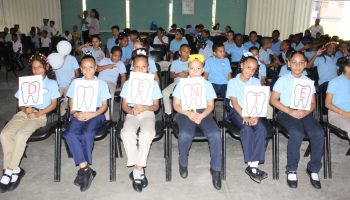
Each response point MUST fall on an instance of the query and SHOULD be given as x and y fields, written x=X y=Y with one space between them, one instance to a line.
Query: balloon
x=64 y=47
x=56 y=60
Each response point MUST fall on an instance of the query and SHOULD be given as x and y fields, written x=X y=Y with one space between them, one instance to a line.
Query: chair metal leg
x=274 y=156
x=167 y=155
x=277 y=155
x=112 y=159
x=57 y=160
x=325 y=159
x=307 y=151
x=223 y=136
x=329 y=153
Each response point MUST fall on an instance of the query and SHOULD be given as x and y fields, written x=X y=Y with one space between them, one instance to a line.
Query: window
x=127 y=11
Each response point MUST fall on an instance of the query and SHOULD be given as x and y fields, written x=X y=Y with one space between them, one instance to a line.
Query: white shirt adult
x=316 y=28
x=156 y=40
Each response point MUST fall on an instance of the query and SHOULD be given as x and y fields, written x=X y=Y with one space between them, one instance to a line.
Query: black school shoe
x=14 y=185
x=254 y=176
x=79 y=177
x=4 y=187
x=292 y=184
x=216 y=179
x=88 y=175
x=138 y=184
x=315 y=183
x=183 y=171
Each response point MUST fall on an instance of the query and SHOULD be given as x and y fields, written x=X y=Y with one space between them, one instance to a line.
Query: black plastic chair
x=228 y=127
x=161 y=48
x=156 y=55
x=330 y=129
x=161 y=130
x=219 y=39
x=108 y=127
x=199 y=137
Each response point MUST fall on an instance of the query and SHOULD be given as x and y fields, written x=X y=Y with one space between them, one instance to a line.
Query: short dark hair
x=185 y=45
x=253 y=48
x=217 y=45
x=343 y=62
x=253 y=32
x=276 y=31
x=85 y=57
x=115 y=27
x=115 y=49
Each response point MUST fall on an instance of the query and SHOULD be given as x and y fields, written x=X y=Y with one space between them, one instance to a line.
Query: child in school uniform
x=127 y=51
x=114 y=40
x=285 y=46
x=177 y=42
x=139 y=116
x=326 y=63
x=276 y=42
x=45 y=43
x=343 y=50
x=142 y=43
x=15 y=134
x=83 y=126
x=297 y=123
x=285 y=69
x=236 y=52
x=187 y=122
x=261 y=71
x=93 y=48
x=109 y=70
x=297 y=45
x=178 y=69
x=217 y=70
x=338 y=96
x=133 y=38
x=252 y=130
x=228 y=44
x=253 y=37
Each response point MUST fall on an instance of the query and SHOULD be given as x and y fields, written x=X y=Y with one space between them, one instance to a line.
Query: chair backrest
x=156 y=55
x=159 y=47
x=219 y=39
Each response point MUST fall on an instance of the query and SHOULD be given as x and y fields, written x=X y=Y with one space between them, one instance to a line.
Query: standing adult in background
x=316 y=28
x=85 y=22
x=94 y=26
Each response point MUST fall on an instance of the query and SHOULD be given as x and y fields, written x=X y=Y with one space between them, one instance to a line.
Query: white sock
x=14 y=176
x=315 y=177
x=254 y=164
x=4 y=179
x=137 y=174
x=292 y=177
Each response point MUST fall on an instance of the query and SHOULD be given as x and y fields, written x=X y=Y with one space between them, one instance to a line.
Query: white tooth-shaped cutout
x=140 y=89
x=84 y=97
x=30 y=90
x=256 y=105
x=302 y=95
x=194 y=92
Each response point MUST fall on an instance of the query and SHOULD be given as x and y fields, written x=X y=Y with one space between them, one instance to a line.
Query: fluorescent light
x=83 y=2
x=170 y=13
x=213 y=13
x=127 y=11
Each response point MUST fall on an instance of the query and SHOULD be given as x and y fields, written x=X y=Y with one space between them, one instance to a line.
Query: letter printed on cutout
x=301 y=94
x=140 y=88
x=255 y=101
x=193 y=94
x=30 y=90
x=85 y=96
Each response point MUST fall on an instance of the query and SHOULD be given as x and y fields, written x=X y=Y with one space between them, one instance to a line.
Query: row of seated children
x=295 y=121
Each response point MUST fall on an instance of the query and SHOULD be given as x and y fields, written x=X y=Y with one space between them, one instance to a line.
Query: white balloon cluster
x=56 y=60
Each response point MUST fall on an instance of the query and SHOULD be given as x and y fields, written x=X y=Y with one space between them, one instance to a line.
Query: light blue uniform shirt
x=103 y=91
x=111 y=43
x=340 y=88
x=156 y=93
x=178 y=66
x=228 y=46
x=264 y=56
x=326 y=68
x=235 y=88
x=95 y=53
x=236 y=53
x=249 y=44
x=126 y=51
x=309 y=54
x=66 y=73
x=297 y=47
x=276 y=47
x=338 y=55
x=285 y=71
x=284 y=86
x=175 y=45
x=208 y=89
x=111 y=75
x=50 y=91
x=262 y=70
x=218 y=70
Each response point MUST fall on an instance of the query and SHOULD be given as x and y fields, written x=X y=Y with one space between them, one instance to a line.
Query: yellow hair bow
x=196 y=57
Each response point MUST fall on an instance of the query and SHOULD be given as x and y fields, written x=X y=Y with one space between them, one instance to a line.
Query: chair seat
x=234 y=131
x=104 y=129
x=199 y=135
x=334 y=129
x=160 y=129
x=43 y=132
